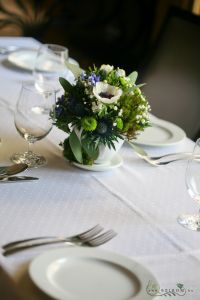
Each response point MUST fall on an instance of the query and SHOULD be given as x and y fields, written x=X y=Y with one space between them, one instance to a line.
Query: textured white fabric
x=139 y=201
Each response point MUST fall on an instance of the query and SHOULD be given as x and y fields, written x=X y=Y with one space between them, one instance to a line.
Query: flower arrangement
x=103 y=106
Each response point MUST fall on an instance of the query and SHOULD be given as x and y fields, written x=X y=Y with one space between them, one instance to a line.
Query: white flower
x=106 y=93
x=106 y=68
x=120 y=73
x=96 y=107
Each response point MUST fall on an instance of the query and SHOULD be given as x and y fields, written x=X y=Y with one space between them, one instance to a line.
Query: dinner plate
x=115 y=162
x=25 y=59
x=78 y=273
x=160 y=133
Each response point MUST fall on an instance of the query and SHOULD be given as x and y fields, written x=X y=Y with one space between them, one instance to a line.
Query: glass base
x=191 y=222
x=31 y=159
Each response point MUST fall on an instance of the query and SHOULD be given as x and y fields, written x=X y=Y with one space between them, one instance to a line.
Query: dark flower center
x=106 y=95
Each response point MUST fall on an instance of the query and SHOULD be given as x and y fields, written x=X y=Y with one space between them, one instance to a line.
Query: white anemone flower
x=106 y=68
x=120 y=73
x=106 y=93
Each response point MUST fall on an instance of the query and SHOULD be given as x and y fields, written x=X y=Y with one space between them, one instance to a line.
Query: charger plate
x=78 y=273
x=25 y=59
x=161 y=133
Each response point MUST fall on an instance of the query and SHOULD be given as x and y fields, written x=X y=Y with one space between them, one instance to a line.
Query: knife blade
x=17 y=179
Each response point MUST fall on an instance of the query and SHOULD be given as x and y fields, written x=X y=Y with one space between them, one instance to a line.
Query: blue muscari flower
x=60 y=100
x=58 y=108
x=83 y=76
x=93 y=78
x=58 y=111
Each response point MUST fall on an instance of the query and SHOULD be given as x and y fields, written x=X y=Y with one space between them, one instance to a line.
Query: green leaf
x=141 y=84
x=65 y=84
x=74 y=68
x=76 y=146
x=91 y=149
x=133 y=77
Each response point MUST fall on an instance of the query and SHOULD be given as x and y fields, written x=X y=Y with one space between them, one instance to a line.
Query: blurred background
x=95 y=31
x=159 y=38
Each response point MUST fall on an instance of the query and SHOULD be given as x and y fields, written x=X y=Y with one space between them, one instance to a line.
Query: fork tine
x=90 y=232
x=102 y=238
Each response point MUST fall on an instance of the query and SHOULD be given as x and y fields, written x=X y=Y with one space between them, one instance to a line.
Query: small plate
x=90 y=274
x=25 y=59
x=115 y=162
x=161 y=133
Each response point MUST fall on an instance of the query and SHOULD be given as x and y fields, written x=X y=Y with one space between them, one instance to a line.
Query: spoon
x=13 y=169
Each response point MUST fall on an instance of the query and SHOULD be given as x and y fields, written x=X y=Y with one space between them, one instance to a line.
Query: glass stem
x=29 y=147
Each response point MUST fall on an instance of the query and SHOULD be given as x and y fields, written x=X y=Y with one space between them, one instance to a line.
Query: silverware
x=160 y=160
x=90 y=233
x=4 y=179
x=13 y=169
x=92 y=242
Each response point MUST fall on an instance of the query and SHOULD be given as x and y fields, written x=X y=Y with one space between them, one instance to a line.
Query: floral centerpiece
x=103 y=107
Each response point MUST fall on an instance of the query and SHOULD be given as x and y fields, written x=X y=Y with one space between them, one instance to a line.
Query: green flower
x=119 y=123
x=89 y=123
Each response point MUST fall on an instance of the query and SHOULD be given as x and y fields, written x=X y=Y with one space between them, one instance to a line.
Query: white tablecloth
x=139 y=201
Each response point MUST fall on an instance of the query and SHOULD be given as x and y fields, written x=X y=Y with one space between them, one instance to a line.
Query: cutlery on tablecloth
x=159 y=160
x=78 y=237
x=5 y=179
x=92 y=241
x=13 y=169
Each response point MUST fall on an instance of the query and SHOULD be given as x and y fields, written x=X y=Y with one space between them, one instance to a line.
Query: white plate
x=115 y=162
x=25 y=59
x=77 y=273
x=161 y=133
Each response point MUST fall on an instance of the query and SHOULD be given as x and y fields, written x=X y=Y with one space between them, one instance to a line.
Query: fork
x=90 y=233
x=156 y=161
x=91 y=242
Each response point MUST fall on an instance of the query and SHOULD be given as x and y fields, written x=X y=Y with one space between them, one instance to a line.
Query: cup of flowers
x=101 y=110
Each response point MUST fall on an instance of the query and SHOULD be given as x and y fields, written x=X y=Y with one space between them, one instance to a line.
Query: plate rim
x=99 y=167
x=178 y=134
x=136 y=268
x=27 y=67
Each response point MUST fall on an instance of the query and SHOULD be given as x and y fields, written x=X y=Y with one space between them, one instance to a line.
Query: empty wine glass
x=49 y=66
x=33 y=121
x=192 y=178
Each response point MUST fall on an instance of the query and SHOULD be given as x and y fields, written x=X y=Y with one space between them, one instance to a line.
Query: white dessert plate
x=78 y=273
x=115 y=162
x=161 y=133
x=25 y=59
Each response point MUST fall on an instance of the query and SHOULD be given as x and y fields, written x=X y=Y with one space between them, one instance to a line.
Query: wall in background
x=116 y=32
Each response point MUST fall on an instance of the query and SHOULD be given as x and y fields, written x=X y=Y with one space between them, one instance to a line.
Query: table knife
x=17 y=178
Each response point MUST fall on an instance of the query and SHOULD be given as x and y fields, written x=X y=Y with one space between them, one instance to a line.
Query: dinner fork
x=91 y=242
x=90 y=233
x=157 y=161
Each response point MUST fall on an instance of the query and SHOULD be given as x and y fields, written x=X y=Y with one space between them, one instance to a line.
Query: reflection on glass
x=192 y=178
x=33 y=121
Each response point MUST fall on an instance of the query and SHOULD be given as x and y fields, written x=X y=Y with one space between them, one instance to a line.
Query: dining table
x=140 y=202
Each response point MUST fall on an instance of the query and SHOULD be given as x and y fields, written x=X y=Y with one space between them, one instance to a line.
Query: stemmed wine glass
x=33 y=121
x=192 y=178
x=49 y=66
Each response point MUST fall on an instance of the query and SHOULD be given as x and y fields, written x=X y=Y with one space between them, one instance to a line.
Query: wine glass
x=192 y=179
x=49 y=66
x=33 y=121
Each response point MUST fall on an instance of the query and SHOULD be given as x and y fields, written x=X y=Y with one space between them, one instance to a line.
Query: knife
x=17 y=178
